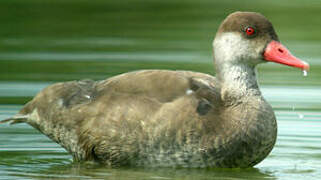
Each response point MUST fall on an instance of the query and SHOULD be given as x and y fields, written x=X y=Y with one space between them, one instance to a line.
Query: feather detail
x=19 y=118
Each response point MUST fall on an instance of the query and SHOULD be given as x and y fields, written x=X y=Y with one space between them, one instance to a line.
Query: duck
x=164 y=118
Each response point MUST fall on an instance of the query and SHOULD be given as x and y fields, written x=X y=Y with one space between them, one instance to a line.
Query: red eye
x=250 y=31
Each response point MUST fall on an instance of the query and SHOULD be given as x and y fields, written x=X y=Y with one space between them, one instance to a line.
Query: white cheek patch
x=231 y=46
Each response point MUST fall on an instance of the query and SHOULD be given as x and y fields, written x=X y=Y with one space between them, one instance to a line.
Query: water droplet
x=305 y=73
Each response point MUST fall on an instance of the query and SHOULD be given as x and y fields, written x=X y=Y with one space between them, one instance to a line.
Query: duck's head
x=248 y=38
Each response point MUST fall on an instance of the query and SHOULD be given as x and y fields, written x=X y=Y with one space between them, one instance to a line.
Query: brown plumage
x=167 y=118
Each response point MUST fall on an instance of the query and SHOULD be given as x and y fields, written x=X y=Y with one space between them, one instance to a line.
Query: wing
x=105 y=120
x=161 y=85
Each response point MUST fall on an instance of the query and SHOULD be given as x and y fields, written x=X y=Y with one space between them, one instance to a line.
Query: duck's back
x=137 y=118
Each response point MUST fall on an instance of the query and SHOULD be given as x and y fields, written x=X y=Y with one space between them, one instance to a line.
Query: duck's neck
x=238 y=81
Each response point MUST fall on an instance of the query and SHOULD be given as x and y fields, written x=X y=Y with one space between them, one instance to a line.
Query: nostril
x=280 y=50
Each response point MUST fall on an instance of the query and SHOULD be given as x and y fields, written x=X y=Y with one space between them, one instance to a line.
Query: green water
x=45 y=41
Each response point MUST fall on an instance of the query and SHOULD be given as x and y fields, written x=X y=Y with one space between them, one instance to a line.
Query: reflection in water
x=48 y=169
x=167 y=173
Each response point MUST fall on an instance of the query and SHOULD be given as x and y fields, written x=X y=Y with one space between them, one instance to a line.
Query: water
x=42 y=42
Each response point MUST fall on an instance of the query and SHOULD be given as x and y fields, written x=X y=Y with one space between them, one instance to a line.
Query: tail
x=19 y=118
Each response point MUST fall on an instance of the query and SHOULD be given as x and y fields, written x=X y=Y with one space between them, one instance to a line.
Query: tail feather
x=15 y=119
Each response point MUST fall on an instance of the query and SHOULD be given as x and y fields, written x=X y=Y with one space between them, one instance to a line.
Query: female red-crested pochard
x=171 y=118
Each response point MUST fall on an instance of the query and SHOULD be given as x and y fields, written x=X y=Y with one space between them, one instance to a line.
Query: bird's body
x=166 y=118
x=132 y=119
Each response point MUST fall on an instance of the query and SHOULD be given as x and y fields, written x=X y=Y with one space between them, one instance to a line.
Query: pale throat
x=238 y=80
x=233 y=69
